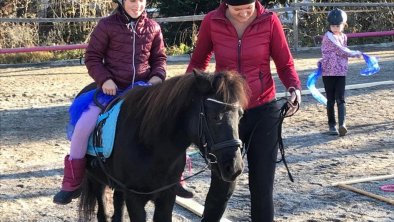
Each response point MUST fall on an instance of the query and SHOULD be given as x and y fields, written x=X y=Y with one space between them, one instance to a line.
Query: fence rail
x=294 y=7
x=343 y=4
x=43 y=48
x=188 y=18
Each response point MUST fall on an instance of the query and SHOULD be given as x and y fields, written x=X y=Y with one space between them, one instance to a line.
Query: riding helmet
x=336 y=17
x=239 y=2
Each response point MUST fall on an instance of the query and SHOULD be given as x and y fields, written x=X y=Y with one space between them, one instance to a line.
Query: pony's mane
x=156 y=109
x=230 y=87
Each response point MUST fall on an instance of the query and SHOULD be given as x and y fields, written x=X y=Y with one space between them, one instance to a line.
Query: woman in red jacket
x=244 y=36
x=124 y=48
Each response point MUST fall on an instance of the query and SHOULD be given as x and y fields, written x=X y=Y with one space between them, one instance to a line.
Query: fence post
x=295 y=26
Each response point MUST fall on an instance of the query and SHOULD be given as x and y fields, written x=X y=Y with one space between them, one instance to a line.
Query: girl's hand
x=155 y=80
x=109 y=87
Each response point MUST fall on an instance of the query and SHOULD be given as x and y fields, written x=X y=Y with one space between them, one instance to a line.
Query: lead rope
x=283 y=114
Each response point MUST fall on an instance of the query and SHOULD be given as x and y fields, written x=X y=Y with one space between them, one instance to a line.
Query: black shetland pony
x=155 y=126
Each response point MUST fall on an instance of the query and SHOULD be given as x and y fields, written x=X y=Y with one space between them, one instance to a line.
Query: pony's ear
x=202 y=81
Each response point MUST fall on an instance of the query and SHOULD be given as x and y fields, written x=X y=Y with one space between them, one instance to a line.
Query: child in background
x=334 y=65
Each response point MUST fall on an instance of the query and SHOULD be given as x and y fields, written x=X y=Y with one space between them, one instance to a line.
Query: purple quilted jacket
x=124 y=52
x=335 y=60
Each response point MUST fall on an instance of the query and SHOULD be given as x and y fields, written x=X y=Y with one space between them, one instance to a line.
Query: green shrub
x=179 y=50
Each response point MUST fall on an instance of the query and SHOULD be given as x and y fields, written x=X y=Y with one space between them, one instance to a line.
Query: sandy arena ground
x=33 y=115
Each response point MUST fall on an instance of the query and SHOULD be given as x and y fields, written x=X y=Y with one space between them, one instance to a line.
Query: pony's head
x=222 y=99
x=199 y=108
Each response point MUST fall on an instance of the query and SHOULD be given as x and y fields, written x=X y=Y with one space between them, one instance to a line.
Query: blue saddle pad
x=107 y=132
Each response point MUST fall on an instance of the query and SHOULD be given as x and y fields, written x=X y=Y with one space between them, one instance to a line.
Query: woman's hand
x=294 y=101
x=155 y=80
x=109 y=87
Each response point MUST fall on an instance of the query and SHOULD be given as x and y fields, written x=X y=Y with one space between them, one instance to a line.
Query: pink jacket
x=263 y=39
x=334 y=60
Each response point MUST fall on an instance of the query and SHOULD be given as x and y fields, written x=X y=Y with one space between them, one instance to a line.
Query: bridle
x=206 y=142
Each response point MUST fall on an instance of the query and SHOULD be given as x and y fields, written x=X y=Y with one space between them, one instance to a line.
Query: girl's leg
x=82 y=131
x=341 y=104
x=181 y=190
x=74 y=164
x=330 y=88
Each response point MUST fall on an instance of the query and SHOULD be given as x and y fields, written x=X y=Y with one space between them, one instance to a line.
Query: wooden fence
x=294 y=7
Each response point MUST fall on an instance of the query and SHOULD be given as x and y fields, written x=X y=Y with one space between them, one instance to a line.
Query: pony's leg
x=92 y=194
x=101 y=212
x=118 y=206
x=164 y=206
x=218 y=195
x=136 y=207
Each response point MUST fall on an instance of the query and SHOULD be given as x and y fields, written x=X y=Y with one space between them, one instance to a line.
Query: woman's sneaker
x=342 y=130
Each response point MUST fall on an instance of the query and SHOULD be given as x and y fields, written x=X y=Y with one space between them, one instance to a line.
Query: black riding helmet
x=336 y=17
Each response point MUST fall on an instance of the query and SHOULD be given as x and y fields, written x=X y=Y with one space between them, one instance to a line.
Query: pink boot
x=74 y=171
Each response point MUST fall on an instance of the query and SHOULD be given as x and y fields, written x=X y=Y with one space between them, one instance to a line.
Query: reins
x=125 y=188
x=283 y=114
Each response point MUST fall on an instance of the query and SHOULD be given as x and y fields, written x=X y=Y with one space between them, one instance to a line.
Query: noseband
x=207 y=143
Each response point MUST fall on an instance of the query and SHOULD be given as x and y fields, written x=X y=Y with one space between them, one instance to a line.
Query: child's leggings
x=335 y=89
x=83 y=128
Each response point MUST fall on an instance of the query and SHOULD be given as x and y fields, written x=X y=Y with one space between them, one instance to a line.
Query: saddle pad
x=107 y=132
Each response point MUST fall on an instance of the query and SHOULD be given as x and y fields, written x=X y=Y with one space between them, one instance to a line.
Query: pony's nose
x=233 y=169
x=236 y=174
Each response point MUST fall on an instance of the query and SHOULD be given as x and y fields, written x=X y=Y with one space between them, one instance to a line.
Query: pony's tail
x=88 y=199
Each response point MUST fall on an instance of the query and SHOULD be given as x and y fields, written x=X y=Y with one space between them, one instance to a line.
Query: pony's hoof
x=64 y=197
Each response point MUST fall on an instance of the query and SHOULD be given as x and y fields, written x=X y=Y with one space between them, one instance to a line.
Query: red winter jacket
x=116 y=52
x=250 y=55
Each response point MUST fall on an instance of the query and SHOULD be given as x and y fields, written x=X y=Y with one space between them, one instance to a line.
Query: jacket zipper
x=133 y=63
x=239 y=56
x=133 y=30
